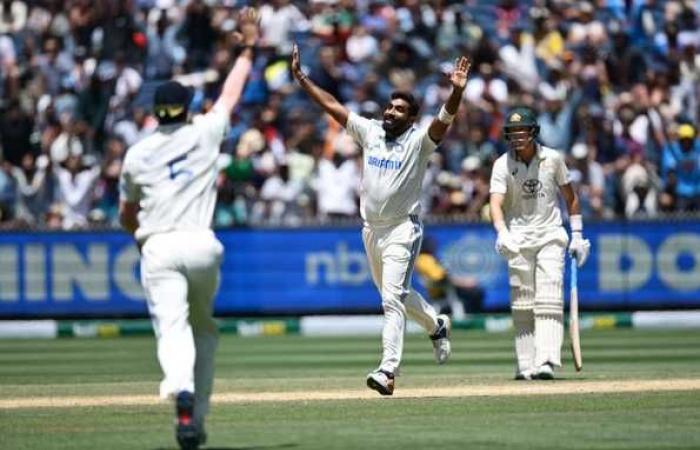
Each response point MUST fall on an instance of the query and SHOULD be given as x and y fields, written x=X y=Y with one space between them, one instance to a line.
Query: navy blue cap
x=171 y=101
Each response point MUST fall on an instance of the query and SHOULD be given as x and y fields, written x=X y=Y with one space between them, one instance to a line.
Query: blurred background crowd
x=616 y=84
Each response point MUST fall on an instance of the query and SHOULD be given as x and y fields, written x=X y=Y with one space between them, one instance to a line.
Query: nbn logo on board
x=340 y=267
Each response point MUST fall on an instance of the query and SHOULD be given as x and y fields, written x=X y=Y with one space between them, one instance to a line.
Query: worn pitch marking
x=509 y=389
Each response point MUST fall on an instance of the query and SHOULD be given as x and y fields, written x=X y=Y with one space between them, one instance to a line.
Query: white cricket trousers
x=537 y=298
x=391 y=252
x=180 y=274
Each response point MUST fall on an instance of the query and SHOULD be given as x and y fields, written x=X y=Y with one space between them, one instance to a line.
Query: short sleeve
x=427 y=144
x=561 y=171
x=128 y=190
x=358 y=127
x=214 y=125
x=499 y=183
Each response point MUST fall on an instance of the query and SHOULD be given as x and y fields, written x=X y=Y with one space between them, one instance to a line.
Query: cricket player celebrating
x=395 y=156
x=525 y=183
x=167 y=201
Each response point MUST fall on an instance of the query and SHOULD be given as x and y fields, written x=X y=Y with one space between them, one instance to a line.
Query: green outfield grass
x=127 y=366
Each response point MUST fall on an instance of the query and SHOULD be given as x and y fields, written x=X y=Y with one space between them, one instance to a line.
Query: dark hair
x=413 y=105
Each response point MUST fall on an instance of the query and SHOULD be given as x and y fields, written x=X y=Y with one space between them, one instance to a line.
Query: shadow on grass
x=253 y=447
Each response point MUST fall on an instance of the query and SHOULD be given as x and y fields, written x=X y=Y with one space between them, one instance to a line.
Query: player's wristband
x=445 y=117
x=248 y=47
x=576 y=223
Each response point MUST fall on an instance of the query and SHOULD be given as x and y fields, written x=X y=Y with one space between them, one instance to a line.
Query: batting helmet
x=521 y=117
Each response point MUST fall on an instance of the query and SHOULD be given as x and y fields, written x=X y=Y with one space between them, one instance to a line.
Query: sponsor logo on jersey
x=532 y=188
x=382 y=163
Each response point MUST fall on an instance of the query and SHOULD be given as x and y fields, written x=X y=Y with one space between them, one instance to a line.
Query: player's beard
x=395 y=127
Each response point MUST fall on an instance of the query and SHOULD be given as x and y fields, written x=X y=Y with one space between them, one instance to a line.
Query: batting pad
x=549 y=335
x=549 y=282
x=524 y=324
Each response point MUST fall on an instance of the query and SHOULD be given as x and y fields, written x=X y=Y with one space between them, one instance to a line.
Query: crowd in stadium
x=616 y=84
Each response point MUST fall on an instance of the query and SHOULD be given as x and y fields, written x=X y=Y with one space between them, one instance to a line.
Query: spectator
x=75 y=190
x=277 y=21
x=75 y=74
x=485 y=90
x=518 y=58
x=556 y=121
x=165 y=54
x=589 y=179
x=13 y=16
x=8 y=193
x=681 y=168
x=16 y=128
x=33 y=188
x=361 y=45
x=639 y=192
x=280 y=197
x=337 y=182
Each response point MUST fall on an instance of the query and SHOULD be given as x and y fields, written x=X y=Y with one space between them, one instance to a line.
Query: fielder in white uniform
x=395 y=157
x=525 y=186
x=167 y=201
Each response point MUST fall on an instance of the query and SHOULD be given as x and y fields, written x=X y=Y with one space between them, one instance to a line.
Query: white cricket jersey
x=172 y=174
x=531 y=190
x=392 y=170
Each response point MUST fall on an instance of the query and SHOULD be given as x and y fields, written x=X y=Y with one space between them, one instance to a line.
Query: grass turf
x=660 y=420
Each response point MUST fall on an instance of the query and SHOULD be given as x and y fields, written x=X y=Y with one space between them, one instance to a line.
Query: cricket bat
x=573 y=318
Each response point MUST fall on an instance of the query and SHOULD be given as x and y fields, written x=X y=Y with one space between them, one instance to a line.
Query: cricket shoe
x=381 y=381
x=524 y=375
x=188 y=434
x=544 y=372
x=441 y=339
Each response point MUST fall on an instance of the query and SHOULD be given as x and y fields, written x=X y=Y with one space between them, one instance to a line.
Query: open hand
x=296 y=65
x=248 y=23
x=458 y=77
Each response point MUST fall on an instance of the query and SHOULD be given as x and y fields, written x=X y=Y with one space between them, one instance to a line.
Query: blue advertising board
x=638 y=265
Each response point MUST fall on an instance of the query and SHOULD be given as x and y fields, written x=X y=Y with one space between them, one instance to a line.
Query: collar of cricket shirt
x=401 y=138
x=539 y=155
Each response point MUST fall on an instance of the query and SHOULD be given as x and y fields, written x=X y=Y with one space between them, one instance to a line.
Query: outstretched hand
x=296 y=65
x=248 y=21
x=458 y=77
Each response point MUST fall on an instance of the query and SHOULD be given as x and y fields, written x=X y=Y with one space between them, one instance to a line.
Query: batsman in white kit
x=395 y=157
x=168 y=193
x=525 y=186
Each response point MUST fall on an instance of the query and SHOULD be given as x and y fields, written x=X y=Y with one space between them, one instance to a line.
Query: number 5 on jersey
x=176 y=168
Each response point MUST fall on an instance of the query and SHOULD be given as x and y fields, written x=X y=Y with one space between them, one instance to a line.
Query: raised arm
x=235 y=81
x=325 y=100
x=444 y=119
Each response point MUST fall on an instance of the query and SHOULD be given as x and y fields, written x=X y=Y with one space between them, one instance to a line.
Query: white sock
x=205 y=344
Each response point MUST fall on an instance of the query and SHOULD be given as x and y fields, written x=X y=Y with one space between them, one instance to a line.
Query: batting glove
x=506 y=245
x=579 y=248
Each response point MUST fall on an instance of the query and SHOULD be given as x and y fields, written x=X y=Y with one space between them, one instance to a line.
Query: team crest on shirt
x=394 y=147
x=532 y=188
